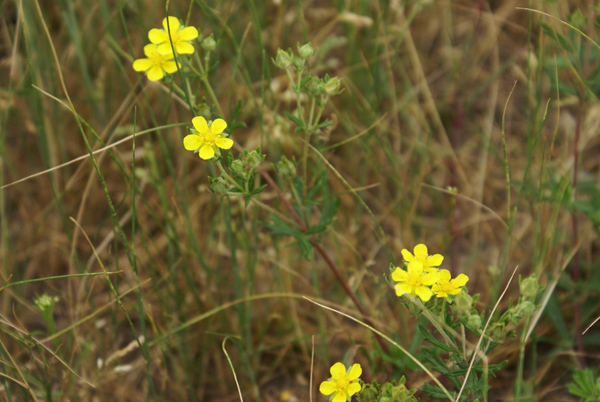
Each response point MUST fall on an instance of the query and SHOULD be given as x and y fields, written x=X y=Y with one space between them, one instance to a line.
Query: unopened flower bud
x=497 y=331
x=474 y=321
x=286 y=168
x=315 y=86
x=254 y=159
x=238 y=167
x=218 y=185
x=525 y=308
x=305 y=51
x=529 y=287
x=332 y=86
x=284 y=59
x=209 y=43
x=463 y=303
x=299 y=63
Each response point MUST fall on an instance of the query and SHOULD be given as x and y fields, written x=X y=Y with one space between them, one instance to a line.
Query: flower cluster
x=343 y=383
x=159 y=53
x=423 y=277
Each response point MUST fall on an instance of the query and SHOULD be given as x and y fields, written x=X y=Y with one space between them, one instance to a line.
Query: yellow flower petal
x=224 y=143
x=339 y=397
x=142 y=64
x=407 y=255
x=173 y=24
x=150 y=50
x=355 y=372
x=415 y=267
x=337 y=370
x=200 y=124
x=328 y=387
x=207 y=152
x=444 y=275
x=218 y=126
x=399 y=275
x=420 y=249
x=431 y=278
x=188 y=33
x=170 y=67
x=437 y=289
x=183 y=48
x=353 y=388
x=157 y=36
x=460 y=280
x=192 y=142
x=424 y=293
x=155 y=73
x=403 y=288
x=165 y=49
x=435 y=260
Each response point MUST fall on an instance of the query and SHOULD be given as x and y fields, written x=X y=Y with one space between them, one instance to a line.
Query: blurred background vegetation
x=443 y=101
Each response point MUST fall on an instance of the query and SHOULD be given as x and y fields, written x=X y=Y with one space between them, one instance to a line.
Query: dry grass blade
x=6 y=322
x=25 y=384
x=483 y=333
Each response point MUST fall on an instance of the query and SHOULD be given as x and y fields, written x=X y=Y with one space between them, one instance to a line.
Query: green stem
x=229 y=178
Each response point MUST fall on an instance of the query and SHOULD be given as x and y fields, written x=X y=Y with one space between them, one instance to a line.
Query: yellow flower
x=204 y=139
x=444 y=286
x=156 y=65
x=430 y=262
x=342 y=384
x=180 y=35
x=414 y=281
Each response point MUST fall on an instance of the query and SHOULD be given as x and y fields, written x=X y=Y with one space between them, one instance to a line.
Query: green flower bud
x=529 y=287
x=474 y=321
x=284 y=59
x=305 y=51
x=497 y=331
x=45 y=302
x=218 y=185
x=369 y=393
x=254 y=159
x=315 y=86
x=332 y=86
x=209 y=43
x=238 y=167
x=286 y=168
x=299 y=63
x=525 y=308
x=463 y=303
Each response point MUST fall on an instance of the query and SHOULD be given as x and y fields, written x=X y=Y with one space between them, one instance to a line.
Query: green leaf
x=293 y=118
x=279 y=227
x=431 y=339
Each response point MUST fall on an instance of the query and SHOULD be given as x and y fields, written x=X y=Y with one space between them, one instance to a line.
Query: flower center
x=446 y=287
x=210 y=138
x=341 y=383
x=413 y=280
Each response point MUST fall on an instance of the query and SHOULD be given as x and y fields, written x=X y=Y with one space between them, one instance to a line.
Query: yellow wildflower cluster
x=159 y=53
x=423 y=277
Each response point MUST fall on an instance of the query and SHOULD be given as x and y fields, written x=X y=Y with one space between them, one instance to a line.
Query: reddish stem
x=326 y=257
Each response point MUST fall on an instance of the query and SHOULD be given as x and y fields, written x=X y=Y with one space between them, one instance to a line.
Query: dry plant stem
x=325 y=256
x=575 y=237
x=482 y=335
x=312 y=366
x=232 y=369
